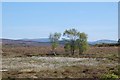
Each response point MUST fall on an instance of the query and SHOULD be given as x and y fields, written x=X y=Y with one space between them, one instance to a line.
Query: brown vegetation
x=22 y=51
x=81 y=71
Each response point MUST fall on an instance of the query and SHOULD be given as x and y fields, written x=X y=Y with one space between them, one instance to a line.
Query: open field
x=60 y=39
x=41 y=67
x=25 y=51
x=35 y=62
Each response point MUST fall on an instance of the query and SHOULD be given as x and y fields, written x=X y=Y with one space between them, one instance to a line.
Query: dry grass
x=11 y=55
x=42 y=67
x=46 y=50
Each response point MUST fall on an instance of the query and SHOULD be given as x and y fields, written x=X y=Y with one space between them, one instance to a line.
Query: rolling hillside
x=44 y=42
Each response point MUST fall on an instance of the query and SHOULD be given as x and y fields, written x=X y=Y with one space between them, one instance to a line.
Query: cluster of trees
x=74 y=40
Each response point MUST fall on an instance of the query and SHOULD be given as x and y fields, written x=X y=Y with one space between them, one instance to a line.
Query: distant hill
x=46 y=42
x=93 y=42
x=103 y=41
x=37 y=40
x=24 y=43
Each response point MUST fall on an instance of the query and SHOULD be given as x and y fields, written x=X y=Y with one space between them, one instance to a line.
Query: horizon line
x=59 y=39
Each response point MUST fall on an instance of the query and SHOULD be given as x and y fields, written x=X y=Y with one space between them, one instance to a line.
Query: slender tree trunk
x=79 y=51
x=72 y=47
x=73 y=51
x=54 y=52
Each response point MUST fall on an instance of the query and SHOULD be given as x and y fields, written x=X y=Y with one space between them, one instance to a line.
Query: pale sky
x=37 y=19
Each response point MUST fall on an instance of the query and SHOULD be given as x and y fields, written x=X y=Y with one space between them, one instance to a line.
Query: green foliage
x=116 y=71
x=54 y=38
x=113 y=74
x=75 y=40
x=54 y=45
x=71 y=34
x=82 y=42
x=67 y=47
x=109 y=77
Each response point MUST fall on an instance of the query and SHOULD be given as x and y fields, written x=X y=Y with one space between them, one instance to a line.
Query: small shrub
x=109 y=77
